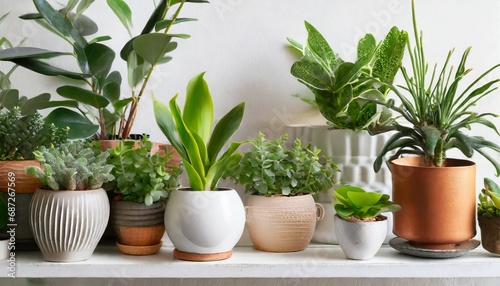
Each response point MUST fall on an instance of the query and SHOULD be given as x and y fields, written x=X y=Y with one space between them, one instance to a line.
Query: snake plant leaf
x=195 y=181
x=160 y=25
x=152 y=47
x=198 y=113
x=320 y=48
x=83 y=95
x=123 y=12
x=202 y=148
x=217 y=170
x=100 y=59
x=165 y=121
x=79 y=126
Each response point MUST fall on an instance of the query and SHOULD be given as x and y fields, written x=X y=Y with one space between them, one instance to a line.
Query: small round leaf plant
x=270 y=169
x=355 y=204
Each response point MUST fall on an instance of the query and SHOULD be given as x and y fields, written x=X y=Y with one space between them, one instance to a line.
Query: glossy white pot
x=4 y=249
x=67 y=225
x=204 y=225
x=360 y=240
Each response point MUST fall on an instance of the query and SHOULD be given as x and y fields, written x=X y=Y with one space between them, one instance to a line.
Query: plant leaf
x=152 y=47
x=165 y=121
x=46 y=69
x=82 y=95
x=100 y=59
x=27 y=52
x=79 y=126
x=160 y=25
x=157 y=15
x=198 y=114
x=123 y=12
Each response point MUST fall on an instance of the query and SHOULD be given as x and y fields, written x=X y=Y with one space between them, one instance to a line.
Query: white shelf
x=318 y=261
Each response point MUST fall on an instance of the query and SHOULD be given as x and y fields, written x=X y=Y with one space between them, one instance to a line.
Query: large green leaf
x=195 y=181
x=47 y=69
x=83 y=95
x=33 y=104
x=112 y=84
x=320 y=47
x=27 y=52
x=83 y=24
x=80 y=126
x=100 y=59
x=165 y=121
x=123 y=12
x=158 y=14
x=218 y=169
x=9 y=98
x=364 y=199
x=152 y=47
x=198 y=114
x=311 y=74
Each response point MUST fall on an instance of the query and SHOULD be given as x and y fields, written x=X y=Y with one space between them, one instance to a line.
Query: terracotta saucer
x=139 y=250
x=202 y=257
x=458 y=250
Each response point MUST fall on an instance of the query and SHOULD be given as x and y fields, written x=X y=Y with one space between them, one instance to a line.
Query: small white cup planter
x=4 y=249
x=360 y=240
x=204 y=225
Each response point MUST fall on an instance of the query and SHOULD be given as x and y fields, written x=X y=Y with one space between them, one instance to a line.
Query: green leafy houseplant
x=99 y=107
x=354 y=203
x=341 y=87
x=76 y=165
x=190 y=134
x=140 y=176
x=270 y=169
x=489 y=200
x=437 y=111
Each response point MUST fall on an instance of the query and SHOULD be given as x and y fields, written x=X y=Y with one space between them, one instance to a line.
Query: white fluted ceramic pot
x=281 y=223
x=67 y=225
x=204 y=225
x=360 y=240
x=354 y=152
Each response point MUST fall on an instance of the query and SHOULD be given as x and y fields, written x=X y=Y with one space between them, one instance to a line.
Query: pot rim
x=363 y=222
x=188 y=189
x=281 y=196
x=75 y=191
x=414 y=162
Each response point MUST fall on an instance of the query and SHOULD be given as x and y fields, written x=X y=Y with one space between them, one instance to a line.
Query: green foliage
x=190 y=134
x=271 y=169
x=437 y=111
x=21 y=135
x=340 y=87
x=354 y=202
x=140 y=176
x=489 y=200
x=99 y=107
x=4 y=214
x=76 y=165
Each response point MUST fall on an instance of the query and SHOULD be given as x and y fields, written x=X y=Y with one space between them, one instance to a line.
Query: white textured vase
x=360 y=240
x=354 y=152
x=204 y=225
x=67 y=225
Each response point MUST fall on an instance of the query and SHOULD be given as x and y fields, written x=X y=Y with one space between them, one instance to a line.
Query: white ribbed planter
x=67 y=225
x=354 y=153
x=204 y=225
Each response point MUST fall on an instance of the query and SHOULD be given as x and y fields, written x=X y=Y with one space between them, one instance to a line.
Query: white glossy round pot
x=67 y=225
x=360 y=240
x=204 y=225
x=4 y=249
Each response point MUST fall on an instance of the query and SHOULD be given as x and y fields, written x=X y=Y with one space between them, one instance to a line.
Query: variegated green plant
x=436 y=110
x=489 y=200
x=191 y=134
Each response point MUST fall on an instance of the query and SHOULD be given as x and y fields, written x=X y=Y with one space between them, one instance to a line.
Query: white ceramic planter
x=204 y=225
x=354 y=153
x=360 y=240
x=67 y=225
x=4 y=249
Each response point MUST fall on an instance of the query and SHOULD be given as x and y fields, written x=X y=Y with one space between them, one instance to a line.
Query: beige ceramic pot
x=438 y=205
x=280 y=223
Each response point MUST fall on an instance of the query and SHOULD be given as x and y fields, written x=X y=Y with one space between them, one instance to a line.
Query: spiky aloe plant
x=190 y=134
x=437 y=111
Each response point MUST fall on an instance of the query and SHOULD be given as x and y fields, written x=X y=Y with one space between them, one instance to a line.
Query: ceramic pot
x=360 y=240
x=204 y=225
x=438 y=205
x=354 y=152
x=139 y=227
x=4 y=249
x=67 y=225
x=490 y=233
x=280 y=223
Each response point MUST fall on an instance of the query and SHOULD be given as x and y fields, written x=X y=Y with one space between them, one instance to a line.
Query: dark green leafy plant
x=21 y=135
x=76 y=165
x=269 y=169
x=489 y=200
x=340 y=87
x=437 y=111
x=191 y=134
x=140 y=176
x=355 y=203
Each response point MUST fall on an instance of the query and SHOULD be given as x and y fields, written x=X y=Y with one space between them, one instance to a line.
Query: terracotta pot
x=280 y=223
x=24 y=184
x=490 y=233
x=438 y=205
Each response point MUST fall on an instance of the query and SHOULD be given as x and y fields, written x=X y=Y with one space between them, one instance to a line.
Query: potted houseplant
x=142 y=185
x=69 y=214
x=339 y=89
x=4 y=219
x=433 y=118
x=203 y=221
x=281 y=212
x=488 y=215
x=359 y=225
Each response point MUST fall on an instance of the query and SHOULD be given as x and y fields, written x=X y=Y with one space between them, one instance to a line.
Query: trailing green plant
x=21 y=135
x=269 y=168
x=489 y=200
x=354 y=203
x=437 y=111
x=4 y=212
x=191 y=134
x=341 y=87
x=99 y=107
x=75 y=165
x=140 y=176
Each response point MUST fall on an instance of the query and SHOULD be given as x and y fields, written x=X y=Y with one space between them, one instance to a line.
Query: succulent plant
x=269 y=168
x=76 y=165
x=489 y=200
x=357 y=204
x=142 y=177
